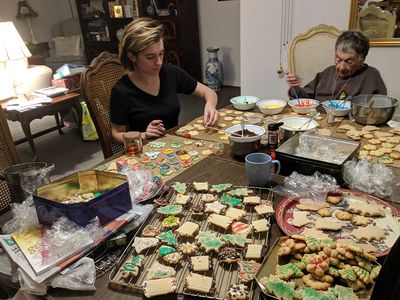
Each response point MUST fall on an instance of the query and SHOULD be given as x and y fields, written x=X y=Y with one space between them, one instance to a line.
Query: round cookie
x=343 y=215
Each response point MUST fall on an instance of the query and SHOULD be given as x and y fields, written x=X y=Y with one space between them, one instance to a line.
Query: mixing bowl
x=271 y=106
x=244 y=102
x=373 y=109
x=241 y=146
x=303 y=106
x=338 y=108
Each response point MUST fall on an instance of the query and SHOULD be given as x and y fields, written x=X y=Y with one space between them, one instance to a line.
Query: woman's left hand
x=211 y=115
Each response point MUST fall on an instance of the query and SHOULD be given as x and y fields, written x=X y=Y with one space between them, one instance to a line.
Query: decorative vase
x=213 y=70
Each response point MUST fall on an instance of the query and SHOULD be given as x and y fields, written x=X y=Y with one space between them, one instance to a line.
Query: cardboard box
x=71 y=83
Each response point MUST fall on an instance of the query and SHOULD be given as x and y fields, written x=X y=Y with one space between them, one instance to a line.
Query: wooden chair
x=8 y=157
x=376 y=23
x=313 y=51
x=96 y=82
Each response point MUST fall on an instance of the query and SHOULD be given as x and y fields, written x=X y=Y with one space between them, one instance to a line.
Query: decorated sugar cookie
x=170 y=210
x=170 y=222
x=179 y=187
x=219 y=188
x=231 y=201
x=209 y=241
x=214 y=207
x=150 y=230
x=167 y=237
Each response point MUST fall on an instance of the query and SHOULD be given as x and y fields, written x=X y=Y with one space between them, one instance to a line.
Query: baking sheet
x=154 y=164
x=268 y=268
x=223 y=274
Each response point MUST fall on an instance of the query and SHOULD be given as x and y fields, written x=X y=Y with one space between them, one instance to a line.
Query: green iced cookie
x=179 y=187
x=165 y=250
x=288 y=271
x=279 y=288
x=170 y=210
x=348 y=274
x=219 y=188
x=230 y=201
x=312 y=294
x=345 y=293
x=167 y=237
x=234 y=239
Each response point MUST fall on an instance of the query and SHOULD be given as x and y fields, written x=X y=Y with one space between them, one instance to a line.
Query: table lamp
x=13 y=60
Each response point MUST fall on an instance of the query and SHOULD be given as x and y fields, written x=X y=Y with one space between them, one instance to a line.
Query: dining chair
x=8 y=157
x=96 y=83
x=376 y=22
x=313 y=51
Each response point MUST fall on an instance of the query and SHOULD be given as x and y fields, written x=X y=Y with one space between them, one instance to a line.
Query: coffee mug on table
x=258 y=168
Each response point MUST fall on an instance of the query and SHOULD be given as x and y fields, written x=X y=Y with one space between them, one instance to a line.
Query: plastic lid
x=274 y=126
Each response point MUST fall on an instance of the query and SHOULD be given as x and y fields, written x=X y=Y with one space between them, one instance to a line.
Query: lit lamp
x=13 y=60
x=26 y=12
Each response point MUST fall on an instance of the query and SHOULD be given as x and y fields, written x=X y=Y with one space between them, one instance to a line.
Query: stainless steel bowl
x=373 y=109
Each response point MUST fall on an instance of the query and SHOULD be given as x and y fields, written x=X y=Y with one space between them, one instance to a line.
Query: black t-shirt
x=135 y=108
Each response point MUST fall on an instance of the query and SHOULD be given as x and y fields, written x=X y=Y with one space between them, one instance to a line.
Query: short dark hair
x=353 y=40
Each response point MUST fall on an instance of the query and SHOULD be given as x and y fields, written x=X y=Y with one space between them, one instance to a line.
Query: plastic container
x=50 y=201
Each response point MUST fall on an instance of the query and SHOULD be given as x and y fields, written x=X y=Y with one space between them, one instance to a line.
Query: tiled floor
x=70 y=154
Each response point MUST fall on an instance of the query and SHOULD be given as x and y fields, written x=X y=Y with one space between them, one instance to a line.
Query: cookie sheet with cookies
x=299 y=267
x=201 y=238
x=362 y=219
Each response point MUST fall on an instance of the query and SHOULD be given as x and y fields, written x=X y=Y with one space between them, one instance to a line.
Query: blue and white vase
x=214 y=71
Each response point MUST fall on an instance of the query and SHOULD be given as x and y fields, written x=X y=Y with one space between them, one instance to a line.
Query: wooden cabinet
x=102 y=21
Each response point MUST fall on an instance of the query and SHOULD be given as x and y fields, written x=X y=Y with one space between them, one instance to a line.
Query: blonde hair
x=137 y=36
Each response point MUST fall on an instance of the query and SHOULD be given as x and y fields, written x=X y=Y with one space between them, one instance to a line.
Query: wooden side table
x=59 y=104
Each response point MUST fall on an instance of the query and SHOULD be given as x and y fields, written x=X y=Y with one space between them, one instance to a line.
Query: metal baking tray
x=291 y=161
x=223 y=274
x=271 y=260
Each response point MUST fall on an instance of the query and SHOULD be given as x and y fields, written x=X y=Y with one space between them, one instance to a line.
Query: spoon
x=242 y=123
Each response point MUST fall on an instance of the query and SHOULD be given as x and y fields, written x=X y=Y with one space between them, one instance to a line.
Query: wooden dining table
x=213 y=169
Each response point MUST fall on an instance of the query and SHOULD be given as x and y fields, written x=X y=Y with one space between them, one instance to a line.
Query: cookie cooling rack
x=223 y=274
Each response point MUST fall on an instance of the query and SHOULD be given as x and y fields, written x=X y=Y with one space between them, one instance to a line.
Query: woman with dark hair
x=350 y=76
x=145 y=98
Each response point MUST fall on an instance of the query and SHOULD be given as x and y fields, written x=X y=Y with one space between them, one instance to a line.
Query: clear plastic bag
x=24 y=216
x=372 y=178
x=81 y=277
x=314 y=187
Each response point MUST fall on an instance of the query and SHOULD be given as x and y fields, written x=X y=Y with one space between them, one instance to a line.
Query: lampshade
x=12 y=47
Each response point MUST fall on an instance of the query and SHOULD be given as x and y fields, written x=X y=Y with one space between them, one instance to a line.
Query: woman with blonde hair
x=145 y=98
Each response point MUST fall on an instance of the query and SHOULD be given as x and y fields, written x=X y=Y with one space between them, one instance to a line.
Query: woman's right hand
x=293 y=80
x=155 y=129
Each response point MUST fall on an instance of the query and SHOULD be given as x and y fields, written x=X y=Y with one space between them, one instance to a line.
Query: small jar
x=218 y=148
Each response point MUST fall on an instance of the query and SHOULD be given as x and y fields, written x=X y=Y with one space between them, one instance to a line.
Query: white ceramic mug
x=258 y=169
